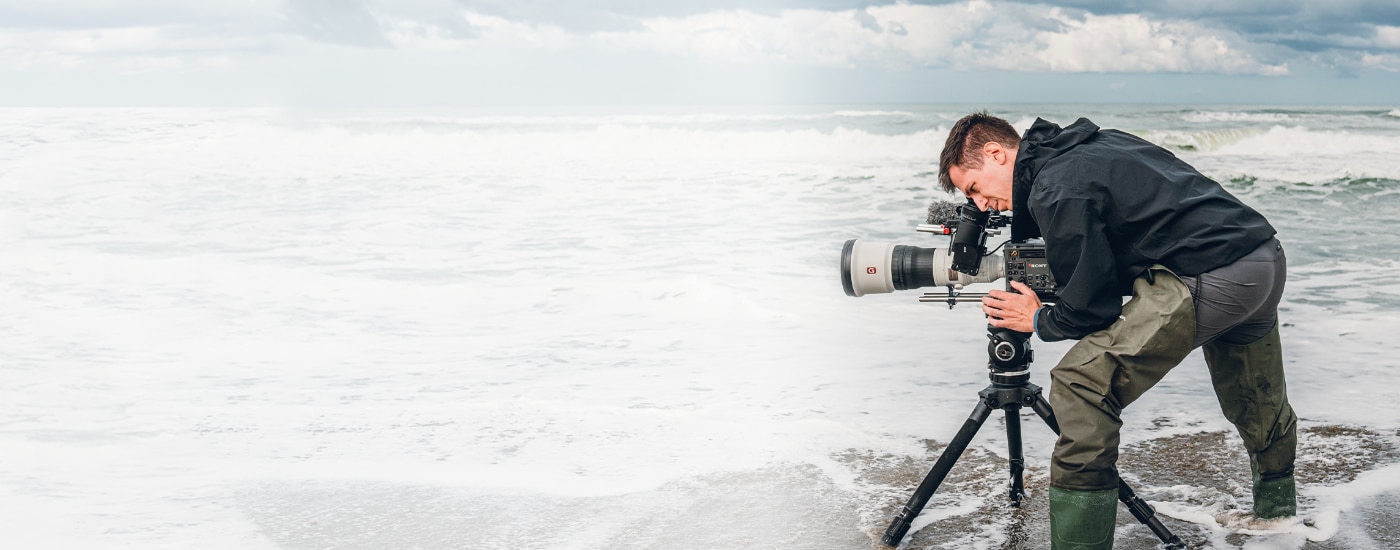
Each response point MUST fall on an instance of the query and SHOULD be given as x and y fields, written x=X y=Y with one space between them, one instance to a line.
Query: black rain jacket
x=1109 y=205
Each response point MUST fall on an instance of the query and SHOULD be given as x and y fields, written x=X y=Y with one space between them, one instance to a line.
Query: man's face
x=989 y=186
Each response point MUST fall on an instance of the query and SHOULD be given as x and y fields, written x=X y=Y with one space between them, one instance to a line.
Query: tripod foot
x=1147 y=516
x=898 y=528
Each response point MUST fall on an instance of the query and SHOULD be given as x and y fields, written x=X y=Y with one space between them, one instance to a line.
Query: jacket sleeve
x=1082 y=262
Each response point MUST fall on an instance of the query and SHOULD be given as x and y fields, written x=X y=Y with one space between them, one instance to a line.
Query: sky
x=471 y=53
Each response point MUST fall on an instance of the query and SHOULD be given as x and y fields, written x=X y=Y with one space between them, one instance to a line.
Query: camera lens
x=878 y=268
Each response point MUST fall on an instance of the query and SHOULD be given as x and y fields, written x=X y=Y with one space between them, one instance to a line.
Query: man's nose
x=980 y=202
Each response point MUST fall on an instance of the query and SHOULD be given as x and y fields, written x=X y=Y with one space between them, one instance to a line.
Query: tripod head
x=1009 y=356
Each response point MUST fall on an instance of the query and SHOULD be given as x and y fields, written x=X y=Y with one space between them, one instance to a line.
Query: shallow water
x=268 y=329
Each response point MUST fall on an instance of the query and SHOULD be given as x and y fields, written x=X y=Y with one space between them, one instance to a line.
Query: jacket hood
x=1044 y=141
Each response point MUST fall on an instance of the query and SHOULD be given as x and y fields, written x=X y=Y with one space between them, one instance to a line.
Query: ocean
x=611 y=328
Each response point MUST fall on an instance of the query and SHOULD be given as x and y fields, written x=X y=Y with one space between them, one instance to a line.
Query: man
x=1123 y=217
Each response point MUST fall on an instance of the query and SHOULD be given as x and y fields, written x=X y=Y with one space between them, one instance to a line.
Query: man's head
x=978 y=159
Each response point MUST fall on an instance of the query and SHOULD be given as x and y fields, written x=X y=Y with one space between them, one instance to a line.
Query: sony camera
x=877 y=267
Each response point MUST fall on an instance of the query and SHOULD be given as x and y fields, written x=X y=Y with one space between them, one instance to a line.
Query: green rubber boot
x=1082 y=520
x=1275 y=498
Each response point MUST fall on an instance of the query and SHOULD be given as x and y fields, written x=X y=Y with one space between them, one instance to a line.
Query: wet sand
x=847 y=503
x=1204 y=471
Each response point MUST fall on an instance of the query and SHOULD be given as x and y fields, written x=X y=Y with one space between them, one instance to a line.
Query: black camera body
x=1026 y=263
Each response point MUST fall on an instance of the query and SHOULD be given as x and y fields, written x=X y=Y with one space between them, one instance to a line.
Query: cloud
x=974 y=35
x=1289 y=26
x=1195 y=9
x=1387 y=37
x=424 y=25
x=338 y=21
x=801 y=37
x=145 y=41
x=90 y=14
x=136 y=36
x=1388 y=62
x=1134 y=43
x=623 y=15
x=165 y=35
x=1255 y=37
x=574 y=16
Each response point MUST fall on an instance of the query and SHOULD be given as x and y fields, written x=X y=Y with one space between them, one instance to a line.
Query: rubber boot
x=1275 y=498
x=1082 y=520
x=1250 y=385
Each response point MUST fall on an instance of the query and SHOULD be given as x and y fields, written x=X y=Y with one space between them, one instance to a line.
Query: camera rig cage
x=877 y=267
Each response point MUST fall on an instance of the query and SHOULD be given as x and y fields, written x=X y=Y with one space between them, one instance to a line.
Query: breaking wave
x=1209 y=140
x=1238 y=116
x=1298 y=140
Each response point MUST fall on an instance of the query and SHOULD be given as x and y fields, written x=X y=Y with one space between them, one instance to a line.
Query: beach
x=612 y=328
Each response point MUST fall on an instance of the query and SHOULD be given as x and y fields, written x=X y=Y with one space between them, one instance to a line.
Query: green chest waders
x=1249 y=383
x=1098 y=376
x=1112 y=368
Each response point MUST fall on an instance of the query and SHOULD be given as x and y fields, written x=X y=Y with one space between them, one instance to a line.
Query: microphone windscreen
x=943 y=212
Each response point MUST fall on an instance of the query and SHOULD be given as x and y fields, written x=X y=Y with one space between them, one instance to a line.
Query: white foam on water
x=1238 y=116
x=1337 y=500
x=1285 y=141
x=1294 y=154
x=1218 y=513
x=1200 y=140
x=626 y=118
x=203 y=301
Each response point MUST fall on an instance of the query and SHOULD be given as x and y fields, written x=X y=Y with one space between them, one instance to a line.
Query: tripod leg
x=1139 y=508
x=1018 y=462
x=1042 y=408
x=1147 y=516
x=950 y=455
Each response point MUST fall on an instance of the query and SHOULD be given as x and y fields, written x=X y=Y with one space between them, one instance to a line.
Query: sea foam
x=254 y=317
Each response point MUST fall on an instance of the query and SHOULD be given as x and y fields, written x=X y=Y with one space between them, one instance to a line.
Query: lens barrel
x=879 y=268
x=911 y=267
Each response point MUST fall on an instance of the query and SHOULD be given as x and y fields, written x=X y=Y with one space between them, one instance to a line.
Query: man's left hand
x=1013 y=310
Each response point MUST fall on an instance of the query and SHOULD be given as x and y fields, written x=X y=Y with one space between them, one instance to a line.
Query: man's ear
x=996 y=151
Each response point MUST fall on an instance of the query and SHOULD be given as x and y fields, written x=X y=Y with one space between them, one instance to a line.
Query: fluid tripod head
x=1009 y=356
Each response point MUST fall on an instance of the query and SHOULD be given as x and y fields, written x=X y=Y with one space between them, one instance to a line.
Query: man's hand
x=1010 y=309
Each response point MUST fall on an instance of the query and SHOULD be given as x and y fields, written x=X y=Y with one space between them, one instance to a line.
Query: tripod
x=1010 y=356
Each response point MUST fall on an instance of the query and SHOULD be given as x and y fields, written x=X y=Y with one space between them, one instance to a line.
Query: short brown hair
x=965 y=141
